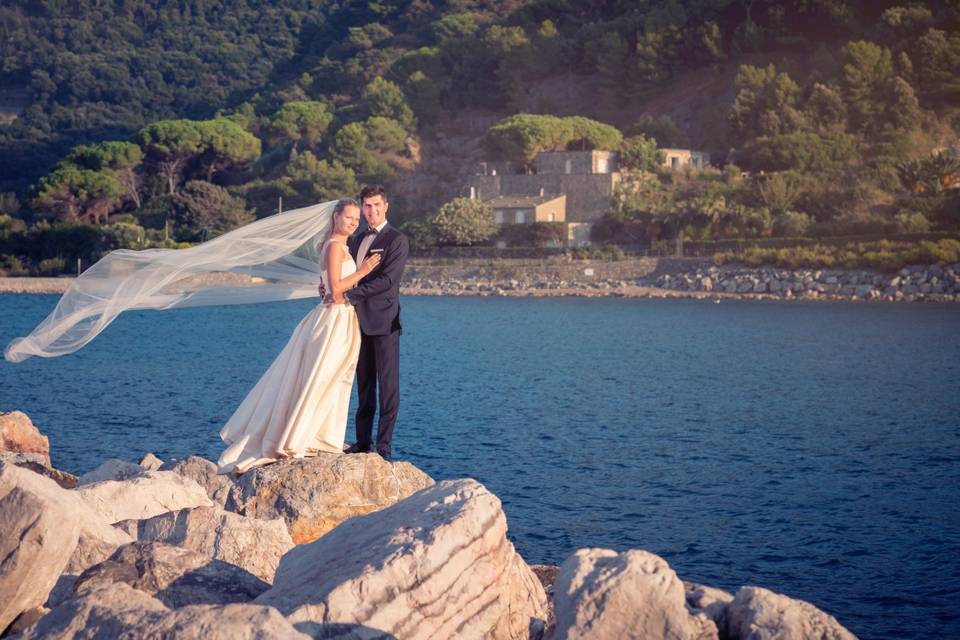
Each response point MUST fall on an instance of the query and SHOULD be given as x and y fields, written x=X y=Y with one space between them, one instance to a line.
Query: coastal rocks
x=314 y=495
x=759 y=614
x=106 y=612
x=913 y=283
x=204 y=473
x=19 y=435
x=120 y=611
x=143 y=496
x=436 y=565
x=96 y=538
x=602 y=594
x=112 y=469
x=252 y=544
x=34 y=549
x=174 y=575
x=150 y=462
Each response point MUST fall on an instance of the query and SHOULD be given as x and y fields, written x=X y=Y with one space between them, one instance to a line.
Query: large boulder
x=227 y=622
x=35 y=546
x=96 y=538
x=143 y=496
x=112 y=469
x=314 y=495
x=759 y=614
x=709 y=600
x=253 y=544
x=436 y=565
x=19 y=435
x=632 y=595
x=120 y=611
x=106 y=612
x=62 y=478
x=204 y=473
x=174 y=575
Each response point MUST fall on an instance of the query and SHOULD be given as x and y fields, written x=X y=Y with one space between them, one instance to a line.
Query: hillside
x=192 y=117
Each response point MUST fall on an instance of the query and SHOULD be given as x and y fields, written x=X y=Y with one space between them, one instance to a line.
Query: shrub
x=791 y=224
x=52 y=267
x=911 y=222
x=11 y=266
x=464 y=222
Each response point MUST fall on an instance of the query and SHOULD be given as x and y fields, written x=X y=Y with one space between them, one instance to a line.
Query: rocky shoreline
x=336 y=546
x=911 y=284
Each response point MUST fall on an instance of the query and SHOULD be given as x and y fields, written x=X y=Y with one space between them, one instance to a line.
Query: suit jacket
x=377 y=297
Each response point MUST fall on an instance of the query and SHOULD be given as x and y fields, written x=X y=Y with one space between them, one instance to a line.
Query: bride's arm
x=335 y=255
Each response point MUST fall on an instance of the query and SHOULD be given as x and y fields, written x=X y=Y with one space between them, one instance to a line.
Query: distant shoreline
x=59 y=285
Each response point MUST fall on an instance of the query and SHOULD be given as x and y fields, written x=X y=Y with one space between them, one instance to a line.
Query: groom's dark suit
x=377 y=300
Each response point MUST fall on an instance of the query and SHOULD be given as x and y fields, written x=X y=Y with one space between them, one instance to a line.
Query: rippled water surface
x=811 y=448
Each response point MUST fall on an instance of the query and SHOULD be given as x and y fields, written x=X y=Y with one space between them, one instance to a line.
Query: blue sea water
x=810 y=448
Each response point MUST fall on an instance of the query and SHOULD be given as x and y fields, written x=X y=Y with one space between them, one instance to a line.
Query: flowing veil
x=281 y=251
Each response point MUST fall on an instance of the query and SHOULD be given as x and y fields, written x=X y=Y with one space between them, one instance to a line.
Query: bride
x=299 y=407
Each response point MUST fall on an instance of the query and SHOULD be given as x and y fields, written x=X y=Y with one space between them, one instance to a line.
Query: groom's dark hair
x=373 y=190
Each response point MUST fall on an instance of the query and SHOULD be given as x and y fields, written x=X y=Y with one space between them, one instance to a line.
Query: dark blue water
x=811 y=448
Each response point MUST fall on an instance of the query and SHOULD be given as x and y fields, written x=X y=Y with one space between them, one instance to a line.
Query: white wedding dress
x=299 y=407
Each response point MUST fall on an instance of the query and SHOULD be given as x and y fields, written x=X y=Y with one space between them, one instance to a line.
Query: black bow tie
x=372 y=230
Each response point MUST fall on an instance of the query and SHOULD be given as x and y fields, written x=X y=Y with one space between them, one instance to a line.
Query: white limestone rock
x=96 y=538
x=760 y=614
x=35 y=546
x=603 y=594
x=143 y=496
x=435 y=565
x=314 y=495
x=112 y=469
x=204 y=473
x=19 y=435
x=226 y=622
x=174 y=575
x=105 y=612
x=253 y=544
x=150 y=462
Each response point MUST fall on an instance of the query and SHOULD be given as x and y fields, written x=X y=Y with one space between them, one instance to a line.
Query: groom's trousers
x=378 y=366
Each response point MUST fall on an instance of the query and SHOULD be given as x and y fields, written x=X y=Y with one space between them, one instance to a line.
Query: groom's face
x=375 y=210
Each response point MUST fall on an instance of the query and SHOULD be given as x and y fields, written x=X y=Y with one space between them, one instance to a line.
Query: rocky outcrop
x=204 y=473
x=759 y=614
x=174 y=575
x=120 y=611
x=143 y=496
x=710 y=601
x=96 y=538
x=112 y=469
x=253 y=544
x=436 y=565
x=314 y=495
x=35 y=547
x=604 y=594
x=19 y=435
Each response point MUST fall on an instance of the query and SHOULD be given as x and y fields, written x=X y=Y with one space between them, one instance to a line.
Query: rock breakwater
x=424 y=560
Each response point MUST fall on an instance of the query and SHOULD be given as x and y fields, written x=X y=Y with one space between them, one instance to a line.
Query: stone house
x=586 y=179
x=679 y=158
x=527 y=209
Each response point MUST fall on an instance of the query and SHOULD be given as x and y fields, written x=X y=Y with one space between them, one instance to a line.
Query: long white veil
x=280 y=251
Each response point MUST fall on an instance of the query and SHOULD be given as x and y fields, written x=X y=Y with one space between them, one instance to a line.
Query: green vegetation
x=882 y=255
x=463 y=222
x=142 y=123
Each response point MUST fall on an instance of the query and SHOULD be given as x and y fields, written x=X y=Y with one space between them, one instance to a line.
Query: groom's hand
x=323 y=290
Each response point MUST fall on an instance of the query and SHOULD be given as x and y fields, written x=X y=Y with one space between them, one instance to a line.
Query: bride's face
x=347 y=221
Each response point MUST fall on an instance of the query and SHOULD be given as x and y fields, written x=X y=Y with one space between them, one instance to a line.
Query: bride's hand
x=369 y=264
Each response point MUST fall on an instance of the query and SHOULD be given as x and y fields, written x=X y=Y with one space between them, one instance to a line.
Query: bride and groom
x=299 y=406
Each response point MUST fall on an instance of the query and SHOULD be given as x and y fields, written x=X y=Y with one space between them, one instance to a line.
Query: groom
x=376 y=299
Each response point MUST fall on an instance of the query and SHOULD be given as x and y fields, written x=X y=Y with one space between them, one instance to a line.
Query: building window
x=674 y=162
x=568 y=166
x=498 y=216
x=549 y=217
x=521 y=218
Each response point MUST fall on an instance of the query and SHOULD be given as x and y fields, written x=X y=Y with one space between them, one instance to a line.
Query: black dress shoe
x=386 y=455
x=357 y=448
